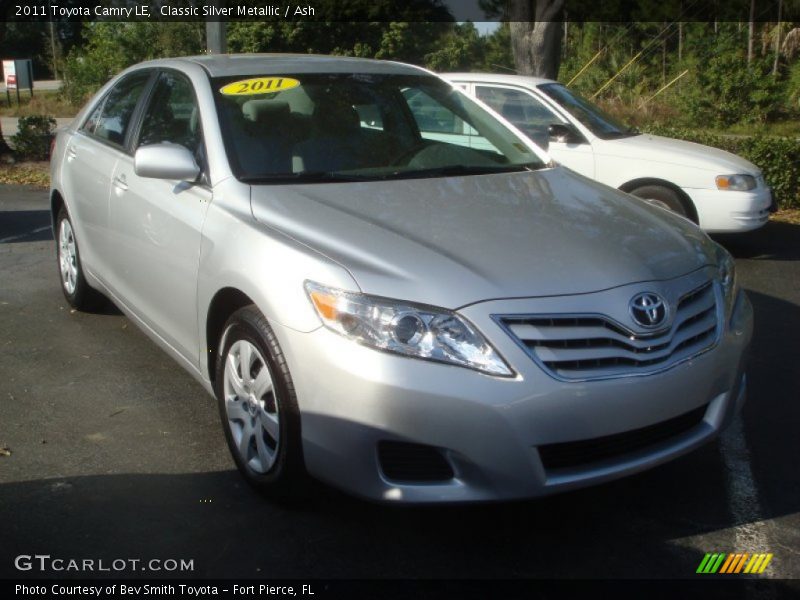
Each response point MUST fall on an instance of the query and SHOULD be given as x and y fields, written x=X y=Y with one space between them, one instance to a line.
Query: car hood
x=676 y=152
x=458 y=240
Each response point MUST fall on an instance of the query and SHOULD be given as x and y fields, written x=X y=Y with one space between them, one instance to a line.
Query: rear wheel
x=76 y=290
x=258 y=406
x=662 y=196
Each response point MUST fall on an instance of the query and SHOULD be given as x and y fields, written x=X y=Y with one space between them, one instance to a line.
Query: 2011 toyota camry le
x=408 y=318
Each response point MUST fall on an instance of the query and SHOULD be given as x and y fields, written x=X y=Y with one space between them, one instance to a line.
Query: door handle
x=121 y=182
x=71 y=153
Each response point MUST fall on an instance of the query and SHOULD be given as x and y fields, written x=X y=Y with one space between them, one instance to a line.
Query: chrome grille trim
x=583 y=347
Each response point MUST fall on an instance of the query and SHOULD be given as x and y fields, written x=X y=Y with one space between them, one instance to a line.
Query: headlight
x=726 y=269
x=736 y=183
x=416 y=331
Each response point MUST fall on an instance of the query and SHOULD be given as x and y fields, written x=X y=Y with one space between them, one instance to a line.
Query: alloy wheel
x=251 y=406
x=67 y=257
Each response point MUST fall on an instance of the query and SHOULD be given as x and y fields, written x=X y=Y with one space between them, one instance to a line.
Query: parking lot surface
x=115 y=452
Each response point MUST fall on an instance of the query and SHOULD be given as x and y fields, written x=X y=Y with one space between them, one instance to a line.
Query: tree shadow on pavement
x=25 y=226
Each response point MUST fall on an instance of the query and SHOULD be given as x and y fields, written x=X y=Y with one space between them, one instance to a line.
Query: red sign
x=11 y=81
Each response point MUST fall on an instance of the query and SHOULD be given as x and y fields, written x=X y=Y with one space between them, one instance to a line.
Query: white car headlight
x=736 y=183
x=417 y=331
x=726 y=273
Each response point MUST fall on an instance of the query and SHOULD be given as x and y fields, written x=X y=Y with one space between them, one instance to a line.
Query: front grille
x=413 y=463
x=585 y=452
x=592 y=346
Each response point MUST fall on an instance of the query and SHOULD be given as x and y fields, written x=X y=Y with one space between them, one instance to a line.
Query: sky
x=486 y=27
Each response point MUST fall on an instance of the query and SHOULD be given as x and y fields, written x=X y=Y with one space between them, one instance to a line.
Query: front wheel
x=663 y=197
x=258 y=406
x=73 y=283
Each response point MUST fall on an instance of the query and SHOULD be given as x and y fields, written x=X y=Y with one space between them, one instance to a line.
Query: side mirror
x=165 y=161
x=564 y=134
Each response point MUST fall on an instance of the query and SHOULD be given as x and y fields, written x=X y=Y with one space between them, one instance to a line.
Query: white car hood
x=656 y=148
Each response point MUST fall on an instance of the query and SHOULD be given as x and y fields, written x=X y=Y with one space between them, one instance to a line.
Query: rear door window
x=114 y=121
x=439 y=123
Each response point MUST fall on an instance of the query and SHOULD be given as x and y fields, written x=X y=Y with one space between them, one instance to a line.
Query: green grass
x=664 y=114
x=42 y=103
x=780 y=128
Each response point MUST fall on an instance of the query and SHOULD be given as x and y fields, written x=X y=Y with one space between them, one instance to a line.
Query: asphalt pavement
x=115 y=452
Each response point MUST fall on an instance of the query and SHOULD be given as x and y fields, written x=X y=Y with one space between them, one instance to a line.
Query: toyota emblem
x=648 y=309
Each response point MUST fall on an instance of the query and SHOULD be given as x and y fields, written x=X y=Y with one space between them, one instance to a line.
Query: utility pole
x=53 y=49
x=216 y=40
x=751 y=32
x=215 y=37
x=777 y=39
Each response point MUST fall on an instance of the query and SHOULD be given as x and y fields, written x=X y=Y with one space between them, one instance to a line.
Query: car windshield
x=593 y=118
x=359 y=126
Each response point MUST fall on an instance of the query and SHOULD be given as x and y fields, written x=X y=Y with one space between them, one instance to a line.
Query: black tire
x=286 y=477
x=664 y=196
x=81 y=296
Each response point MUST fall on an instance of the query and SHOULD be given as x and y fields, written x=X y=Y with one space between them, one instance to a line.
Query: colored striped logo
x=720 y=562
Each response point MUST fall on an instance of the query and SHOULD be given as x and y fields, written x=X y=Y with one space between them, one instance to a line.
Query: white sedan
x=719 y=191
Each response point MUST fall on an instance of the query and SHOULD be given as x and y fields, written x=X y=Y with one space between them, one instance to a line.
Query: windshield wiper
x=455 y=170
x=332 y=176
x=303 y=177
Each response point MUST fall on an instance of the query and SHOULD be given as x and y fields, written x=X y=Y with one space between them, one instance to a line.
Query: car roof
x=496 y=78
x=223 y=65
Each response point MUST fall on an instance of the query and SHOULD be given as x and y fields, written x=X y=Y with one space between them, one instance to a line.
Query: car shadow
x=107 y=308
x=777 y=240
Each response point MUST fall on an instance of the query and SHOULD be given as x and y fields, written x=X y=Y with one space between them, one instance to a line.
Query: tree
x=408 y=41
x=536 y=27
x=110 y=47
x=497 y=53
x=459 y=49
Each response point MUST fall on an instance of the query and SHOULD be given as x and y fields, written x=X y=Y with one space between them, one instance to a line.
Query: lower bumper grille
x=413 y=463
x=584 y=452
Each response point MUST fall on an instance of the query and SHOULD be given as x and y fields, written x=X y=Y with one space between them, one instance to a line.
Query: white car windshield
x=335 y=127
x=591 y=116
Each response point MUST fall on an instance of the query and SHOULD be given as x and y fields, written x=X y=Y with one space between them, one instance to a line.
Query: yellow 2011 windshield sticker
x=258 y=85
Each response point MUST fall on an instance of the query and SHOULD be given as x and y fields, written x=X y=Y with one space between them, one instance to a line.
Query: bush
x=32 y=140
x=777 y=157
x=723 y=88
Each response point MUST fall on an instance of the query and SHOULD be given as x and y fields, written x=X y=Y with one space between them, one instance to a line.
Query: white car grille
x=591 y=346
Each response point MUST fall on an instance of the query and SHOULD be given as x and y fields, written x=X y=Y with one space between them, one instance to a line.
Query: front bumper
x=731 y=212
x=352 y=397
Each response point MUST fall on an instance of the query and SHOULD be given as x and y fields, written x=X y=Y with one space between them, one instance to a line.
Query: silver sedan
x=390 y=288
